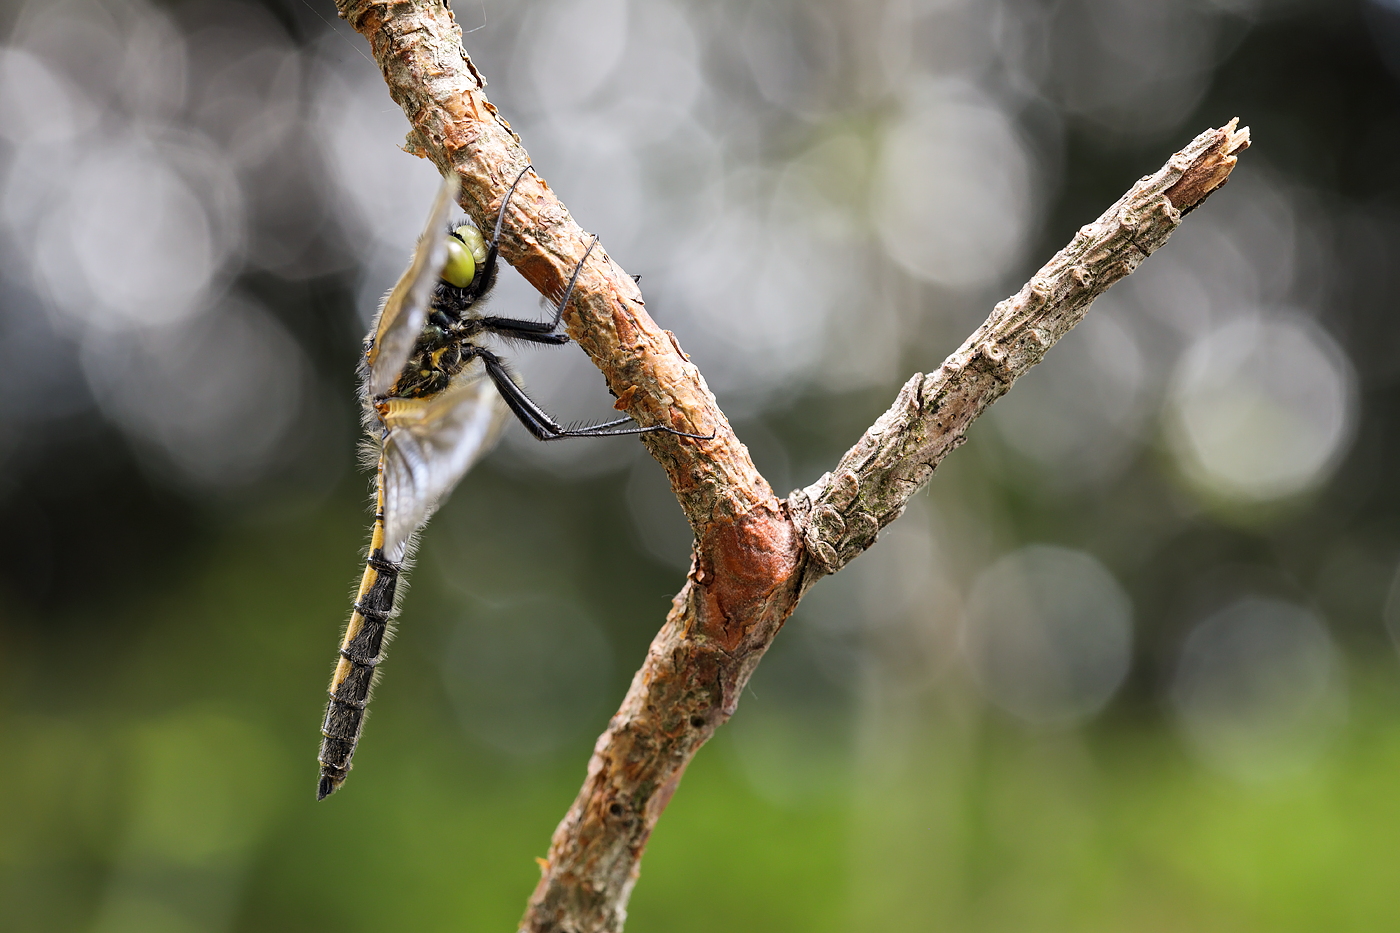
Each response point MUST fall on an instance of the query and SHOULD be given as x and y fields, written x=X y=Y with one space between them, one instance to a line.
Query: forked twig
x=754 y=554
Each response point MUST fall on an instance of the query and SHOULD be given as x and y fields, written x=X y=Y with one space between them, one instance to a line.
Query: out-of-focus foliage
x=1127 y=666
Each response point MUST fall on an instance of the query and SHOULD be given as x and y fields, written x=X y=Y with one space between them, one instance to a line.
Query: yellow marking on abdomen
x=367 y=580
x=360 y=652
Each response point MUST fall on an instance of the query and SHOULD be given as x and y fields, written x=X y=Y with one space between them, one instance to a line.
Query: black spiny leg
x=535 y=419
x=539 y=331
x=539 y=423
x=487 y=280
x=535 y=333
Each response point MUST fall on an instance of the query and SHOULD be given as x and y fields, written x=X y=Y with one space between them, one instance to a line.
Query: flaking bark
x=754 y=555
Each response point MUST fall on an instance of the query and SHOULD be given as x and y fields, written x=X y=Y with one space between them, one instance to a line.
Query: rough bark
x=842 y=512
x=754 y=554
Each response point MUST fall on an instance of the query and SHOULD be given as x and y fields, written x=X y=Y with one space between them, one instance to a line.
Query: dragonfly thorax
x=441 y=351
x=454 y=316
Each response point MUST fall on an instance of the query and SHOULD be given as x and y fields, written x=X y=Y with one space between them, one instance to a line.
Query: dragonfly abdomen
x=360 y=653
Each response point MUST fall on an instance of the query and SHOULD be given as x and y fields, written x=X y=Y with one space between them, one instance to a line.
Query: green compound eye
x=471 y=236
x=461 y=264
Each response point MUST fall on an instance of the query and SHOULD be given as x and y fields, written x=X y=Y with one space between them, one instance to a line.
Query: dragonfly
x=435 y=397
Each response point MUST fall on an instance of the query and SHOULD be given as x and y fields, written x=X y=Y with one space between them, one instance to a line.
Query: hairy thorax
x=441 y=351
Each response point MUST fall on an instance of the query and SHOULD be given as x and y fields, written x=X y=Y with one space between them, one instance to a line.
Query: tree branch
x=418 y=47
x=841 y=513
x=754 y=556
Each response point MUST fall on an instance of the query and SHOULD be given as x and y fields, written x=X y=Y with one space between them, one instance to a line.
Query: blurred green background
x=1128 y=664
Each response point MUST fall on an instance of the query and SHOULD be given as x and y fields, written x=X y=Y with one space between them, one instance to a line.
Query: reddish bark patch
x=740 y=564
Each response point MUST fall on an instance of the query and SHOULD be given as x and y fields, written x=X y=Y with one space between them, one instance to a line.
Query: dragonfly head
x=466 y=251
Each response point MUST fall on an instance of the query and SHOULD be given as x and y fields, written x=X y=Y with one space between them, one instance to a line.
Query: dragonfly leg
x=573 y=279
x=539 y=422
x=539 y=331
x=501 y=214
x=529 y=331
x=485 y=280
x=535 y=419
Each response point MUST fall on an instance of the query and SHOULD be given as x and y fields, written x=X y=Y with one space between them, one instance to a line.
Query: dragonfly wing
x=431 y=443
x=405 y=309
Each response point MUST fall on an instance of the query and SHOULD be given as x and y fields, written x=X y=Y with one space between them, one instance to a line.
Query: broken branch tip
x=1211 y=169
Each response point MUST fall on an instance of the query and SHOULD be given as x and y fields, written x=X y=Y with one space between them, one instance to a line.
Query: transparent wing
x=406 y=309
x=431 y=444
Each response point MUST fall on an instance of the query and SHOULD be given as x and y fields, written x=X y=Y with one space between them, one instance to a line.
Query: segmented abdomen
x=360 y=652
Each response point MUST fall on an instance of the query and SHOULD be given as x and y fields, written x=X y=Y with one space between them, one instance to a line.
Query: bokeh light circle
x=1261 y=409
x=214 y=398
x=952 y=198
x=1048 y=634
x=1258 y=688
